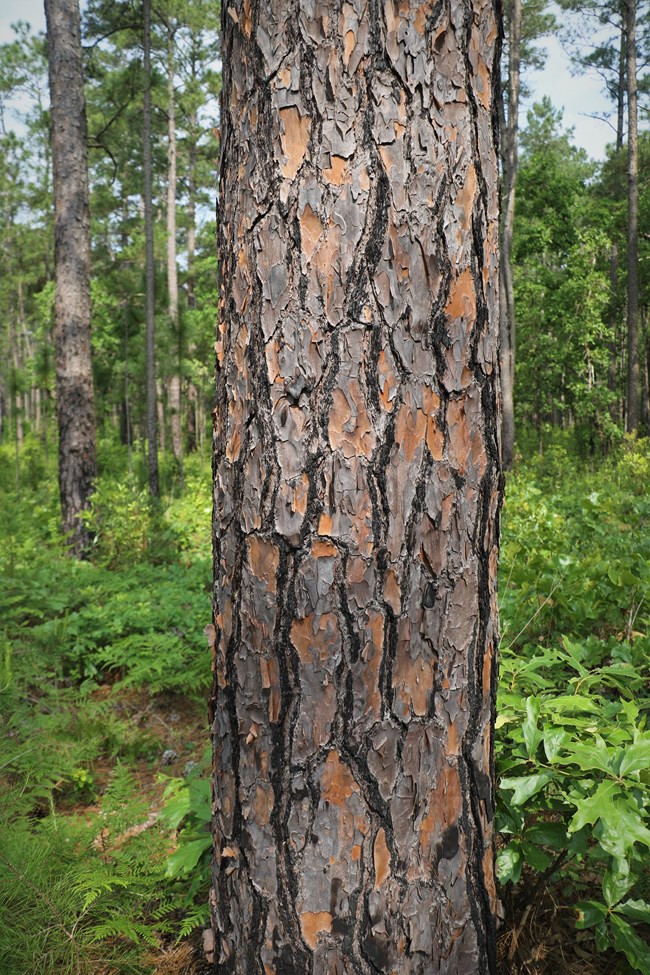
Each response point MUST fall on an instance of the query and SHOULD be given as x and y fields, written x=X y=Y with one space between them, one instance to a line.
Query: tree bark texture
x=357 y=489
x=74 y=378
x=632 y=421
x=509 y=152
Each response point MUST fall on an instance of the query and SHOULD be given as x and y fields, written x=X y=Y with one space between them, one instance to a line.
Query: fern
x=196 y=918
x=123 y=927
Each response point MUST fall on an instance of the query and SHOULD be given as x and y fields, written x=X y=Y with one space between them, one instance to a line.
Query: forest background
x=104 y=668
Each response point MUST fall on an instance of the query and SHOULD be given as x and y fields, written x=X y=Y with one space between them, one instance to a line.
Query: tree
x=152 y=432
x=357 y=489
x=526 y=22
x=626 y=24
x=632 y=418
x=561 y=245
x=509 y=140
x=74 y=379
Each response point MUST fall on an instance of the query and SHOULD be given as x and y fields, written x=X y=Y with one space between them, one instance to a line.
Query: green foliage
x=188 y=810
x=127 y=526
x=77 y=892
x=87 y=869
x=573 y=742
x=562 y=253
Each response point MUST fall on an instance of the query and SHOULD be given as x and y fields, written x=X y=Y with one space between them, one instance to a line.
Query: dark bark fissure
x=357 y=483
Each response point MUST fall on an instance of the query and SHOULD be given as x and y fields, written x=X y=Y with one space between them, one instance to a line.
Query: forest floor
x=104 y=674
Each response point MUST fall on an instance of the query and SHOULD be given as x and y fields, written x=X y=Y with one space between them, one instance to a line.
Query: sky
x=578 y=95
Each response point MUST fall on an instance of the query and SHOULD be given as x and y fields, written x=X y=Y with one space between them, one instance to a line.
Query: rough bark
x=632 y=417
x=509 y=153
x=152 y=431
x=357 y=489
x=74 y=380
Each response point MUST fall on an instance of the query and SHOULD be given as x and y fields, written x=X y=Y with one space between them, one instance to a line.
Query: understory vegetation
x=104 y=672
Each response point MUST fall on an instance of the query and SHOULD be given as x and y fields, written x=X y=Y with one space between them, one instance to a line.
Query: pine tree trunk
x=357 y=489
x=150 y=349
x=643 y=367
x=509 y=151
x=191 y=252
x=174 y=382
x=74 y=379
x=632 y=223
x=614 y=310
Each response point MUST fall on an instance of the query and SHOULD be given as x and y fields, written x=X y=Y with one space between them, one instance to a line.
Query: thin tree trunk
x=152 y=433
x=74 y=378
x=191 y=251
x=128 y=430
x=160 y=406
x=612 y=371
x=46 y=425
x=509 y=152
x=174 y=383
x=357 y=490
x=20 y=430
x=191 y=214
x=36 y=395
x=645 y=386
x=632 y=223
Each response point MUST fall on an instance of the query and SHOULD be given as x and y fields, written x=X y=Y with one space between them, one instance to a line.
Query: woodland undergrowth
x=104 y=671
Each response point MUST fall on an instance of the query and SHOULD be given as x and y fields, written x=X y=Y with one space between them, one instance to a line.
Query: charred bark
x=74 y=379
x=357 y=489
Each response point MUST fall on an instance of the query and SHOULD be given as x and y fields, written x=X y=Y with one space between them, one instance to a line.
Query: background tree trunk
x=632 y=222
x=174 y=384
x=614 y=309
x=152 y=431
x=74 y=379
x=357 y=489
x=509 y=146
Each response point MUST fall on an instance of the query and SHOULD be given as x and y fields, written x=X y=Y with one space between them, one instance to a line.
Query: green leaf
x=534 y=856
x=622 y=827
x=532 y=735
x=617 y=881
x=637 y=910
x=555 y=739
x=187 y=856
x=627 y=940
x=593 y=756
x=510 y=863
x=602 y=936
x=525 y=786
x=177 y=809
x=637 y=756
x=620 y=819
x=578 y=843
x=570 y=702
x=590 y=913
x=548 y=834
